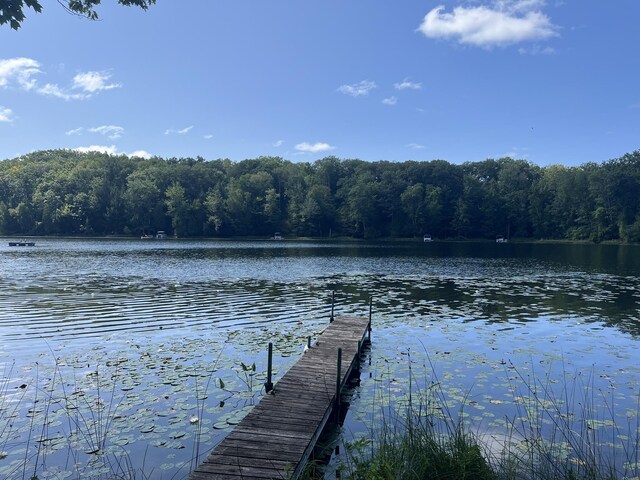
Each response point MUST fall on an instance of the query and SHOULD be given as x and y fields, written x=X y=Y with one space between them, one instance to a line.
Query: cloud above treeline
x=112 y=131
x=499 y=23
x=22 y=72
x=318 y=147
x=181 y=131
x=112 y=150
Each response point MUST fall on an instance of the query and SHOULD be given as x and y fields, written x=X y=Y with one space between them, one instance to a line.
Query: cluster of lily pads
x=144 y=407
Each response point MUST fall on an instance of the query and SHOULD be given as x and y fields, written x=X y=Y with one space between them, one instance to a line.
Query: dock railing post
x=268 y=386
x=370 y=313
x=339 y=379
x=333 y=301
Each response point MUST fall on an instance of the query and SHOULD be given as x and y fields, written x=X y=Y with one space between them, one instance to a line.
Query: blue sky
x=547 y=81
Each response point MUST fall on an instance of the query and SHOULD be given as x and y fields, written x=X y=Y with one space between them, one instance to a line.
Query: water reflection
x=87 y=288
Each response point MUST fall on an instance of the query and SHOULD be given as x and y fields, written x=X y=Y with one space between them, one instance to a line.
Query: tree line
x=63 y=192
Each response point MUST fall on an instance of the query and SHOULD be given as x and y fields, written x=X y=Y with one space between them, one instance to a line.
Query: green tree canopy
x=13 y=11
x=61 y=192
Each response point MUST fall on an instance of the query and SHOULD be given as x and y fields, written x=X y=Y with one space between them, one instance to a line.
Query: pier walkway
x=277 y=437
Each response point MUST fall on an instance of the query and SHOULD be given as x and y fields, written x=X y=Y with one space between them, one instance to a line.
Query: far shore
x=344 y=239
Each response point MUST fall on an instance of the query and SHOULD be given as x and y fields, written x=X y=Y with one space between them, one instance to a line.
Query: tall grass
x=558 y=430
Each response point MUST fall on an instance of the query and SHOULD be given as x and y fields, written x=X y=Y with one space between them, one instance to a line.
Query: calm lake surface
x=114 y=349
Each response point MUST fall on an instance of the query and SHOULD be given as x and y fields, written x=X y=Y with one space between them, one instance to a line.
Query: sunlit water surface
x=121 y=354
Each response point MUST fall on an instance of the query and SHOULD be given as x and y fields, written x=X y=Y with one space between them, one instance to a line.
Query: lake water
x=112 y=351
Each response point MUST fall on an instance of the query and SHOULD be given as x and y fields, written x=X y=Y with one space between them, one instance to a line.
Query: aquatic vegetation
x=125 y=418
x=555 y=426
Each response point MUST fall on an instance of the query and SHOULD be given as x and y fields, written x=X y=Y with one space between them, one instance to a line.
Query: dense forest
x=62 y=192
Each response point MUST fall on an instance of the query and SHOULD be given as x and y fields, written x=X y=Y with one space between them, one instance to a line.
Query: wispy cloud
x=75 y=131
x=278 y=143
x=537 y=50
x=503 y=22
x=53 y=90
x=414 y=146
x=390 y=101
x=182 y=131
x=407 y=84
x=360 y=89
x=92 y=82
x=208 y=136
x=22 y=72
x=318 y=147
x=6 y=114
x=111 y=131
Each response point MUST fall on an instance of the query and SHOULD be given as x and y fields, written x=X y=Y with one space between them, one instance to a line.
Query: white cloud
x=278 y=143
x=390 y=101
x=406 y=84
x=318 y=147
x=21 y=70
x=208 y=136
x=360 y=89
x=169 y=131
x=505 y=22
x=414 y=146
x=93 y=82
x=6 y=114
x=75 y=131
x=52 y=90
x=112 y=150
x=111 y=131
x=140 y=154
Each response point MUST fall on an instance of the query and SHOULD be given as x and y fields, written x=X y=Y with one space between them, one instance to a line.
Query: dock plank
x=275 y=439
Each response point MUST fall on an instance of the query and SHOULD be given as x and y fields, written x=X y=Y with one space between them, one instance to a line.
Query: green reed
x=554 y=432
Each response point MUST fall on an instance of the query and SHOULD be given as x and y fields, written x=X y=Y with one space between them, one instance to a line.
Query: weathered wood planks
x=276 y=438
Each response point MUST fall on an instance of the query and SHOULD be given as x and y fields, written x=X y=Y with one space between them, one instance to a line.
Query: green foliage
x=420 y=454
x=62 y=192
x=12 y=11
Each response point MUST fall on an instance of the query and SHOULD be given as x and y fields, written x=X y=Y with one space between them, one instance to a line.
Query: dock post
x=268 y=386
x=333 y=301
x=339 y=379
x=309 y=341
x=370 y=313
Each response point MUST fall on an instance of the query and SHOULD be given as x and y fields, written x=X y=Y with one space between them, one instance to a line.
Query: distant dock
x=275 y=440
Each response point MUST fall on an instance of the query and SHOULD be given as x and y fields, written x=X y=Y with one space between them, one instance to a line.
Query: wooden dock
x=277 y=437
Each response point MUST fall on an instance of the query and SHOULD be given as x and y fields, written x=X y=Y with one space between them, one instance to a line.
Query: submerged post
x=268 y=386
x=333 y=301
